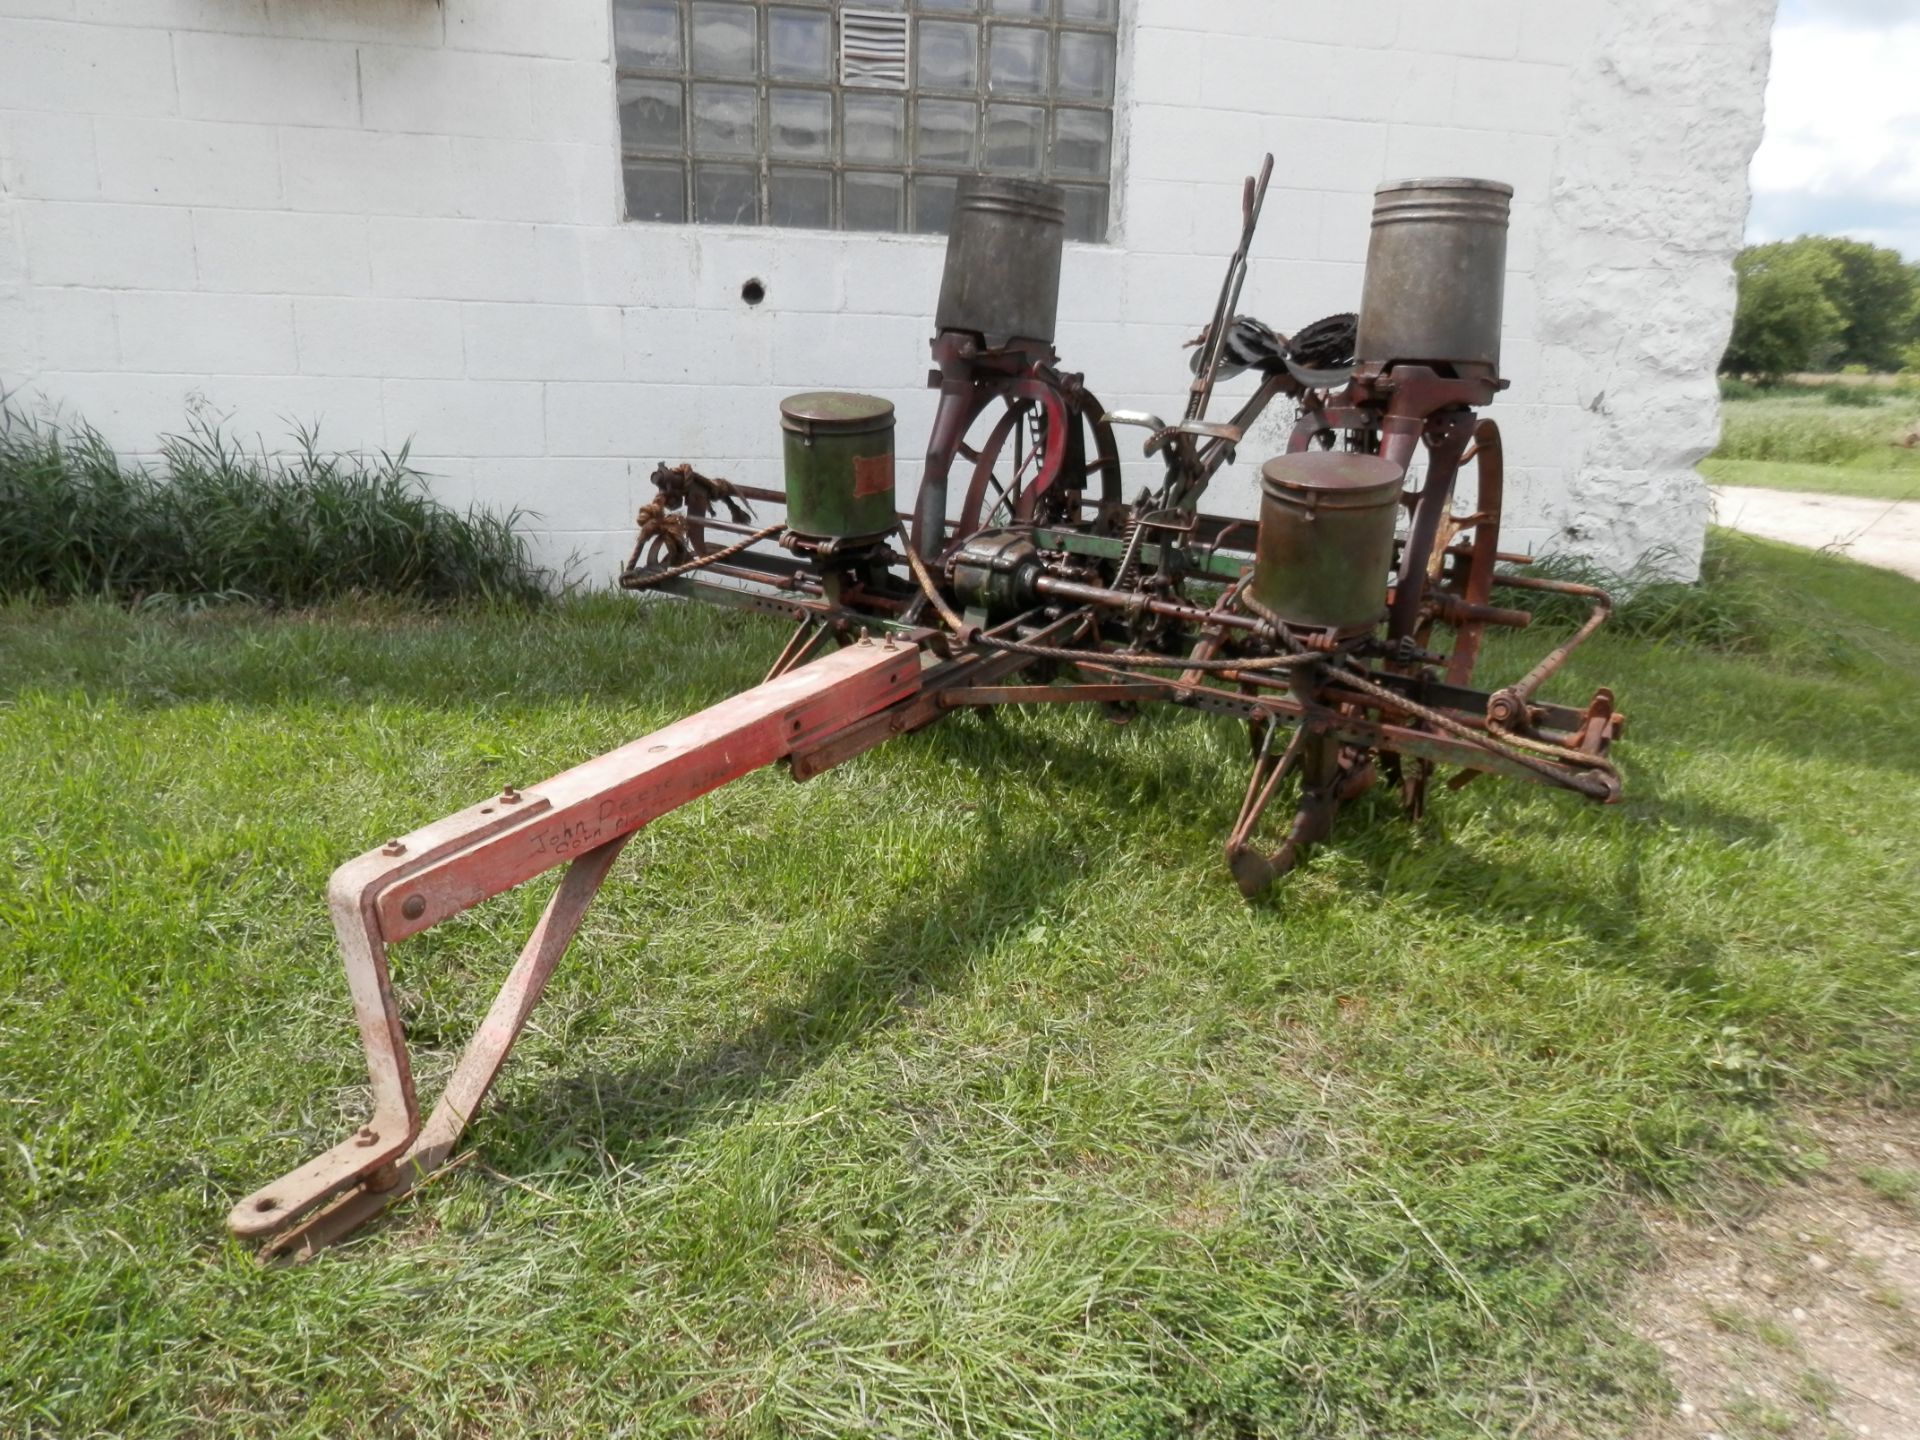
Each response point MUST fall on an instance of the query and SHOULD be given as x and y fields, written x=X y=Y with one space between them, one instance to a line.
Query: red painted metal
x=1053 y=589
x=580 y=818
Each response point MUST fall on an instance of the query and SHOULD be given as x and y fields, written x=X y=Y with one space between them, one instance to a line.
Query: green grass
x=1888 y=482
x=954 y=1093
x=1894 y=1184
x=1803 y=438
x=1803 y=429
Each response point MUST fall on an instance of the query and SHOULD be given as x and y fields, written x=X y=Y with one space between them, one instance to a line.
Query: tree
x=1875 y=294
x=1784 y=318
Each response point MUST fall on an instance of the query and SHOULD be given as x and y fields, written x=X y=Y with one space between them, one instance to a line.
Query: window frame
x=926 y=183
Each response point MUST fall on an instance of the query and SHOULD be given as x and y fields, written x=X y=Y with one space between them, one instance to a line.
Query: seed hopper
x=1341 y=622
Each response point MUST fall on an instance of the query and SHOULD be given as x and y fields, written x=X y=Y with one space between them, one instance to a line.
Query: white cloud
x=1842 y=148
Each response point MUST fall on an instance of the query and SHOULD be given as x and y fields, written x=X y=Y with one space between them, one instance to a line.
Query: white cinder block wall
x=402 y=218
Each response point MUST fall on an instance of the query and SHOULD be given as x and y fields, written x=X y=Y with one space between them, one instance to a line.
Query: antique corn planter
x=1341 y=624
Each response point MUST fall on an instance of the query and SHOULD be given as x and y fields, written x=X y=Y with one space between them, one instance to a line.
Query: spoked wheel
x=1035 y=463
x=1449 y=563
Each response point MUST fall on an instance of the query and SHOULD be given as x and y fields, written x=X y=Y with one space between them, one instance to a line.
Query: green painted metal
x=1326 y=539
x=1220 y=564
x=839 y=459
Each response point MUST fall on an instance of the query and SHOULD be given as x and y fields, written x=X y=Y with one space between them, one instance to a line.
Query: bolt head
x=393 y=847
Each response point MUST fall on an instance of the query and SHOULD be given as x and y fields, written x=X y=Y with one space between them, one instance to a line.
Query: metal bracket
x=581 y=819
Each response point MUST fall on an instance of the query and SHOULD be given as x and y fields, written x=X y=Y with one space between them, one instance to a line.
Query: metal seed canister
x=1436 y=273
x=839 y=461
x=1002 y=279
x=1326 y=539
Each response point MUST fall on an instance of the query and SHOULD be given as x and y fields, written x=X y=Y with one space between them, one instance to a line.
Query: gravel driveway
x=1875 y=532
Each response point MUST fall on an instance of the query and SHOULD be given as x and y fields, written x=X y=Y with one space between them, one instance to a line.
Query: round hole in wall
x=754 y=291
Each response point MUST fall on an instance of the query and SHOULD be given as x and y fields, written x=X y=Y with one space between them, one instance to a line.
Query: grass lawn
x=1880 y=482
x=954 y=1093
x=1792 y=439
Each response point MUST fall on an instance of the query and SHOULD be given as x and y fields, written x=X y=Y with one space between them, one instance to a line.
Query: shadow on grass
x=1625 y=925
x=613 y=651
x=925 y=946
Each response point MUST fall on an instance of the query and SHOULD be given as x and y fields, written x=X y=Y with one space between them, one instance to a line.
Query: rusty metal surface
x=1436 y=273
x=581 y=819
x=1002 y=276
x=1347 y=651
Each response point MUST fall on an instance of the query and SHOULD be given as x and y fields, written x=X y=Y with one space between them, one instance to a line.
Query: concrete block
x=543 y=342
x=344 y=412
x=280 y=252
x=1346 y=225
x=1389 y=85
x=410 y=338
x=1173 y=289
x=905 y=280
x=513 y=27
x=429 y=258
x=1559 y=34
x=447 y=478
x=19 y=349
x=131 y=410
x=1167 y=66
x=585 y=559
x=1324 y=154
x=196 y=333
x=531 y=180
x=1289 y=227
x=266 y=79
x=1264 y=75
x=847 y=352
x=1181 y=143
x=1370 y=29
x=1235 y=18
x=699 y=347
x=588 y=491
x=47 y=156
x=609 y=264
x=13 y=253
x=649 y=423
x=1512 y=95
x=573 y=100
x=72 y=329
x=79 y=243
x=1522 y=161
x=446 y=92
x=367 y=172
x=1462 y=27
x=1158 y=218
x=1130 y=357
x=188 y=162
x=1092 y=284
x=811 y=271
x=1305 y=290
x=85 y=69
x=37 y=9
x=240 y=17
x=385 y=22
x=466 y=417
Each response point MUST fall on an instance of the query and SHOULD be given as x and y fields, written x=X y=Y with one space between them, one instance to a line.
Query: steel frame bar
x=420 y=879
x=486 y=1052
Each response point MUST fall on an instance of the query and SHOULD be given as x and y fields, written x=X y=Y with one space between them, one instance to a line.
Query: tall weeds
x=1809 y=435
x=213 y=519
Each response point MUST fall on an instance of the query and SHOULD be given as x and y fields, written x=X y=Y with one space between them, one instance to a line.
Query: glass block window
x=861 y=114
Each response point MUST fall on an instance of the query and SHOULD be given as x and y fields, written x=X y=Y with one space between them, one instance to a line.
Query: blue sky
x=1842 y=149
